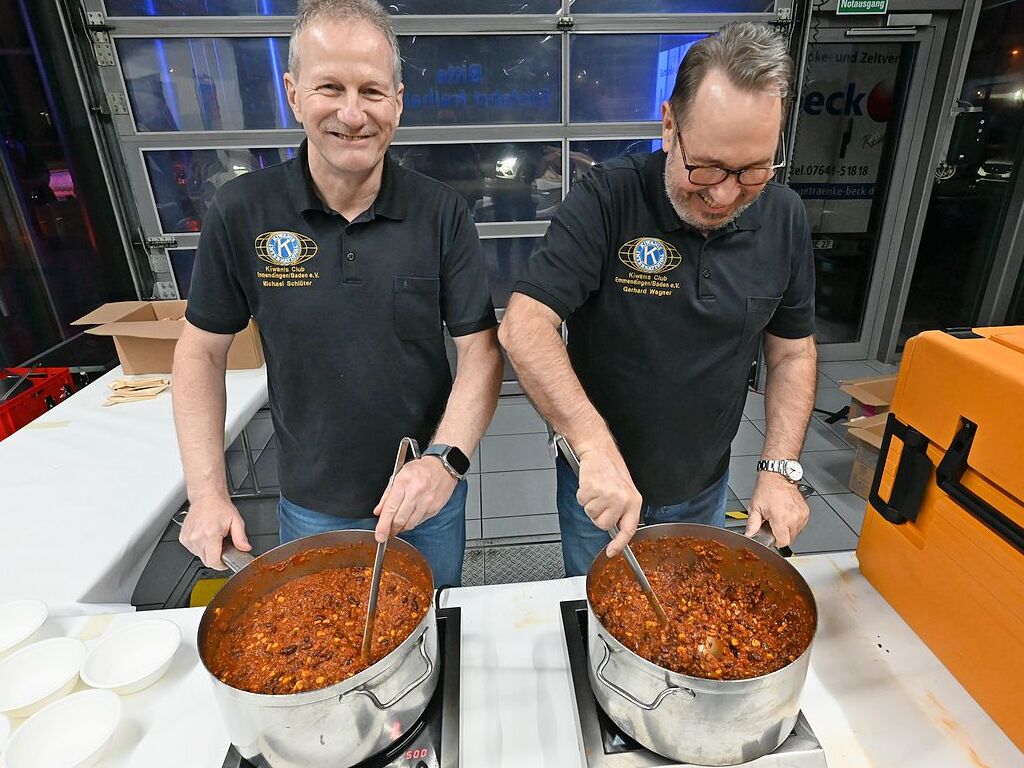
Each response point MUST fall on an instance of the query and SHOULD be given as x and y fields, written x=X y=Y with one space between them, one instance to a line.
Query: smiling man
x=668 y=270
x=353 y=267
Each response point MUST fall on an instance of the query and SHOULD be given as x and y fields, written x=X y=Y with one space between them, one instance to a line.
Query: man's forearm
x=789 y=400
x=200 y=401
x=546 y=375
x=474 y=394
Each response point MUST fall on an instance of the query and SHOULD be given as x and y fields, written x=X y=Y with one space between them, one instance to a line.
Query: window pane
x=501 y=182
x=851 y=113
x=462 y=80
x=288 y=7
x=448 y=7
x=623 y=77
x=182 y=260
x=504 y=258
x=972 y=198
x=672 y=6
x=184 y=180
x=201 y=7
x=207 y=84
x=586 y=154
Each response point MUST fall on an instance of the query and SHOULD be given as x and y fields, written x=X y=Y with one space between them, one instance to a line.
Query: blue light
x=282 y=101
x=166 y=80
x=669 y=59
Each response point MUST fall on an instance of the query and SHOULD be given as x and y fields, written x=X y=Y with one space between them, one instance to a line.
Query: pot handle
x=669 y=690
x=235 y=559
x=409 y=689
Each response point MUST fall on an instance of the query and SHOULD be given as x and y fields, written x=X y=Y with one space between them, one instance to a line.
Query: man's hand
x=207 y=524
x=779 y=502
x=419 y=491
x=608 y=495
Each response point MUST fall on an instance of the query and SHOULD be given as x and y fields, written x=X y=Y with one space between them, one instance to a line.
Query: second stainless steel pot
x=691 y=719
x=344 y=723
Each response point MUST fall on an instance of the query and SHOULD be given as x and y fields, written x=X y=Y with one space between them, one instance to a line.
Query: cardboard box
x=868 y=432
x=870 y=396
x=145 y=333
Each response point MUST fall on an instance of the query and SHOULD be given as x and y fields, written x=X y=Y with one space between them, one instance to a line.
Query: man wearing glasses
x=669 y=269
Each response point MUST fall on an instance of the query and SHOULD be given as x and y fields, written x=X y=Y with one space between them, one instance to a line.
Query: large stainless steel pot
x=695 y=720
x=344 y=723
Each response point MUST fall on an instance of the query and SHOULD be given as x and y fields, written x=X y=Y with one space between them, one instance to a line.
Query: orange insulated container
x=943 y=537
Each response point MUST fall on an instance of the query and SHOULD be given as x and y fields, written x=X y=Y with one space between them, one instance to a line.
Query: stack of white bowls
x=61 y=730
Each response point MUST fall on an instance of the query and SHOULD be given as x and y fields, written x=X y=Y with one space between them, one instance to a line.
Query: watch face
x=457 y=460
x=793 y=471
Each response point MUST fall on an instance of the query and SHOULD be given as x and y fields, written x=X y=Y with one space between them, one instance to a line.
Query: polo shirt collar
x=389 y=202
x=665 y=214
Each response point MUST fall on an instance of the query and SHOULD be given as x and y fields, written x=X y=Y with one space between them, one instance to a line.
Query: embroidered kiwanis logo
x=649 y=255
x=285 y=249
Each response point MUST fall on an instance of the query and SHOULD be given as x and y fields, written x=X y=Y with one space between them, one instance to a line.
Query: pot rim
x=652 y=531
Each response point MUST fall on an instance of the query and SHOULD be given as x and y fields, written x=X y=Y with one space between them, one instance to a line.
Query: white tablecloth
x=875 y=694
x=86 y=491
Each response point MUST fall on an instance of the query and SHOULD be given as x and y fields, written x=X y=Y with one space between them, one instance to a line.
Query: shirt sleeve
x=794 y=317
x=465 y=298
x=216 y=301
x=567 y=265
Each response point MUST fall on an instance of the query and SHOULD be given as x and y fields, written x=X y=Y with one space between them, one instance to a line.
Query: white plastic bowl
x=19 y=620
x=33 y=676
x=132 y=658
x=70 y=733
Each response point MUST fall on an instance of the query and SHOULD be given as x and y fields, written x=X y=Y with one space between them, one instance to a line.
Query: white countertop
x=875 y=695
x=87 y=491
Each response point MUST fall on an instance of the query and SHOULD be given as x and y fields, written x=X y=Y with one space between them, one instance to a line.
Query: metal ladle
x=407 y=446
x=574 y=463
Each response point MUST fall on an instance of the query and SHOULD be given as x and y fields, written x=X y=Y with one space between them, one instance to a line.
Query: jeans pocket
x=417 y=307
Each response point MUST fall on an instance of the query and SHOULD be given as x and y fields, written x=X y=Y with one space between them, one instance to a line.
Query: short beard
x=687 y=216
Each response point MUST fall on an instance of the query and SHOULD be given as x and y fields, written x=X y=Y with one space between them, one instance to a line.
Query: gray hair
x=752 y=56
x=369 y=11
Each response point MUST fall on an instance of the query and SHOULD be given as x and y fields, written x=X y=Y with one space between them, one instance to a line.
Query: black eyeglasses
x=709 y=175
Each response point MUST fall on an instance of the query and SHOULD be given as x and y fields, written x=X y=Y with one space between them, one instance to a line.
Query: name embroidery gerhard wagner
x=647 y=259
x=284 y=253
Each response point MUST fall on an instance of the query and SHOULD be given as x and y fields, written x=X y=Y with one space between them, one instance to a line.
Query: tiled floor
x=512 y=477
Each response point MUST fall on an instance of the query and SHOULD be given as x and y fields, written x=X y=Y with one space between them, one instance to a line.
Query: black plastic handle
x=912 y=474
x=948 y=477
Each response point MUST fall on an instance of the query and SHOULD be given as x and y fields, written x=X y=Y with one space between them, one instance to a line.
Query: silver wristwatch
x=788 y=468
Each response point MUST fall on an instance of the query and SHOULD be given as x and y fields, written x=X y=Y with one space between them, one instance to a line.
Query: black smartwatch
x=451 y=457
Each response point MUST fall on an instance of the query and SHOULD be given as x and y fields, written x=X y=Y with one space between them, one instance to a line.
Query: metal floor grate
x=512 y=563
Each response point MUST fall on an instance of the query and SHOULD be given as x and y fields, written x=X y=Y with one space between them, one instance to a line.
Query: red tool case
x=30 y=392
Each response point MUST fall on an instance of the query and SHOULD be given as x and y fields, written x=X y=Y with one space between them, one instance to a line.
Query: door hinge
x=117 y=103
x=99 y=36
x=566 y=23
x=164 y=289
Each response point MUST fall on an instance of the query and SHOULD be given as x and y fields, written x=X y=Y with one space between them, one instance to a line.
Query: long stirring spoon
x=407 y=446
x=574 y=463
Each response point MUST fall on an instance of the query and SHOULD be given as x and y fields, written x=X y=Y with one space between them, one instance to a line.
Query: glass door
x=966 y=268
x=851 y=163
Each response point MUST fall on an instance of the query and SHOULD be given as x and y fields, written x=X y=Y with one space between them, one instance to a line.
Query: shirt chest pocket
x=417 y=307
x=760 y=310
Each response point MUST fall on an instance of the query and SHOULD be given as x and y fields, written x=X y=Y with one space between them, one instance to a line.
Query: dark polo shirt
x=350 y=315
x=664 y=323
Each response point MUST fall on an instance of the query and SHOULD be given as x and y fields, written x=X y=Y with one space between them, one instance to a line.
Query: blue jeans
x=441 y=539
x=582 y=540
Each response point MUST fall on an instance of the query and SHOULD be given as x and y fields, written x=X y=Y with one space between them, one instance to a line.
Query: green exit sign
x=861 y=7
